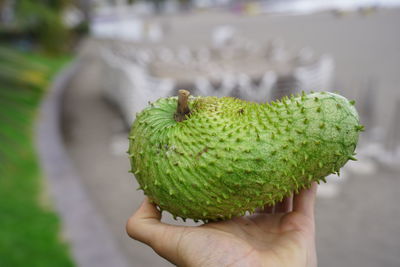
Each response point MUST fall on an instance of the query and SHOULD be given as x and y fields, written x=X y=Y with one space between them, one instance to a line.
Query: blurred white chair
x=129 y=86
x=154 y=32
x=284 y=86
x=267 y=83
x=261 y=93
x=251 y=48
x=144 y=56
x=228 y=53
x=165 y=54
x=327 y=71
x=305 y=56
x=203 y=87
x=137 y=89
x=203 y=55
x=228 y=84
x=316 y=76
x=246 y=90
x=222 y=35
x=184 y=55
x=276 y=51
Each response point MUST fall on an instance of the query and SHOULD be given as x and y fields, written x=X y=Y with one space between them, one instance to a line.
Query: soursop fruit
x=210 y=158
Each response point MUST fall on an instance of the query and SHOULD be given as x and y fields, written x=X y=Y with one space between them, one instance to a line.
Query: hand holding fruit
x=283 y=236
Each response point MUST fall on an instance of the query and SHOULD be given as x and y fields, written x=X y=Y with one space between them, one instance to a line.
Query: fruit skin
x=231 y=156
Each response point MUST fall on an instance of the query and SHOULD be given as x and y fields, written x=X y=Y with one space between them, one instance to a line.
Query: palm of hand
x=283 y=238
x=257 y=240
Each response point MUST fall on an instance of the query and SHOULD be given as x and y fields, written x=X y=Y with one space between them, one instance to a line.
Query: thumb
x=146 y=226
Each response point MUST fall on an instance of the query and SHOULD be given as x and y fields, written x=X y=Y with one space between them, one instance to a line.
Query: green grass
x=29 y=229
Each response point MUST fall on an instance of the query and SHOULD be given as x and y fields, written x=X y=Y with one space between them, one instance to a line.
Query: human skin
x=281 y=236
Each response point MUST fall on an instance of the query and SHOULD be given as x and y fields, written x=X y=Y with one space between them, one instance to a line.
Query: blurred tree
x=42 y=21
x=2 y=4
x=85 y=7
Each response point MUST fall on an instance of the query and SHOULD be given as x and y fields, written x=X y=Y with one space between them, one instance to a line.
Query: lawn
x=29 y=228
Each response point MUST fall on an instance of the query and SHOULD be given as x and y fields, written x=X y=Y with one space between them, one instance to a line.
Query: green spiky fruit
x=229 y=156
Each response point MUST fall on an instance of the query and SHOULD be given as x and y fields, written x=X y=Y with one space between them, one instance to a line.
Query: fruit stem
x=182 y=109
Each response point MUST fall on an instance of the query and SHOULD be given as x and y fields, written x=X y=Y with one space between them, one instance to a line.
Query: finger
x=145 y=226
x=305 y=200
x=285 y=205
x=144 y=222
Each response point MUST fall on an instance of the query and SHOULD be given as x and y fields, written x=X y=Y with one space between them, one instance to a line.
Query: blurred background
x=73 y=73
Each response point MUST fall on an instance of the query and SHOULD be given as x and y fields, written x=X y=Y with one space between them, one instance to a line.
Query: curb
x=91 y=243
